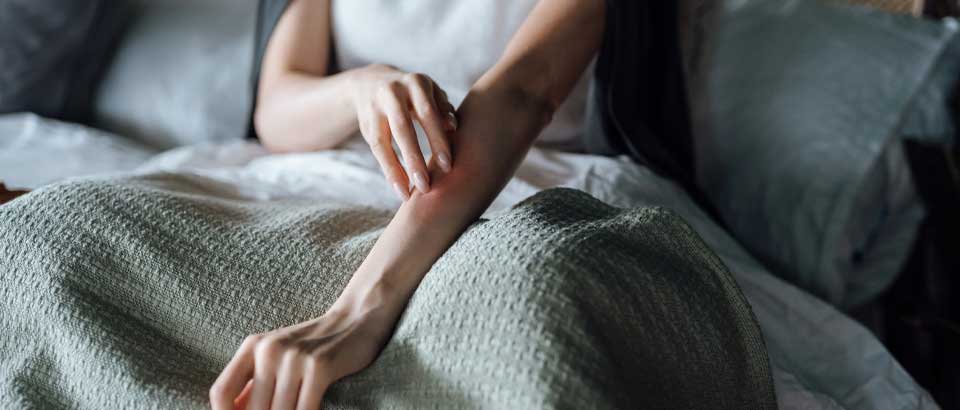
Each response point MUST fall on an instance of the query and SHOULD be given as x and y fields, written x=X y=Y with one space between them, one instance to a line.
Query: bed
x=819 y=358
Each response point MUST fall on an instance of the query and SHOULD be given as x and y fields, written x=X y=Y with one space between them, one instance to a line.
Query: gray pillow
x=53 y=52
x=799 y=111
x=181 y=74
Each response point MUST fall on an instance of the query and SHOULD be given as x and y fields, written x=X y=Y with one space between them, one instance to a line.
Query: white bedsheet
x=821 y=359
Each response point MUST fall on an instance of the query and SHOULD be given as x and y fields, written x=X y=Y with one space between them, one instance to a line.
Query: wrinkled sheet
x=820 y=358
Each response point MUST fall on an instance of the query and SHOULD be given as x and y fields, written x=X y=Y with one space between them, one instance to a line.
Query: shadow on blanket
x=135 y=292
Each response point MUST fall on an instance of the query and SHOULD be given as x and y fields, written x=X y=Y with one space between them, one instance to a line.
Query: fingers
x=449 y=111
x=267 y=355
x=393 y=100
x=390 y=118
x=241 y=402
x=378 y=137
x=423 y=99
x=288 y=382
x=270 y=373
x=314 y=386
x=234 y=377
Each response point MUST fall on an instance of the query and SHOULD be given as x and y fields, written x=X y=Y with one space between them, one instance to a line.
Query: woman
x=475 y=149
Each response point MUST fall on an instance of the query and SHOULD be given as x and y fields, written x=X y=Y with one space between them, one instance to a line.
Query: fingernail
x=404 y=194
x=452 y=121
x=420 y=180
x=444 y=160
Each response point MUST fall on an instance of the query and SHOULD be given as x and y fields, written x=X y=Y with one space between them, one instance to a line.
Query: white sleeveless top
x=452 y=41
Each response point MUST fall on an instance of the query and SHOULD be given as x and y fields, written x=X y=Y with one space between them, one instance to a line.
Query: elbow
x=283 y=125
x=268 y=139
x=261 y=126
x=273 y=131
x=272 y=136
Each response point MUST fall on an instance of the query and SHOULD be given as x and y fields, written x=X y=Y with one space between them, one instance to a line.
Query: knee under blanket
x=134 y=292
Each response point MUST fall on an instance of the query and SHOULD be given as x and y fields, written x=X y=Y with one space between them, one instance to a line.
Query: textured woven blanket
x=133 y=293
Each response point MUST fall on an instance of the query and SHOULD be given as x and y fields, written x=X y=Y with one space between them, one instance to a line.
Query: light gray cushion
x=182 y=74
x=52 y=52
x=799 y=110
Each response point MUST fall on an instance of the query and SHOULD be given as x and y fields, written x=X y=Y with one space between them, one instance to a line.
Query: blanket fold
x=134 y=292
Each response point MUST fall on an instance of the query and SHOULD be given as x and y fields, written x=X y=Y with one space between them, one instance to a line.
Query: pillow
x=53 y=53
x=799 y=112
x=181 y=74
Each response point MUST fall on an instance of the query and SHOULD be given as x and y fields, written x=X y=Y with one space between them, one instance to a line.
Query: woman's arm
x=294 y=87
x=500 y=118
x=301 y=108
x=503 y=113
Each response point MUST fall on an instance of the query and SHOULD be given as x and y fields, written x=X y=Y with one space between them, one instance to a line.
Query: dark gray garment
x=53 y=53
x=268 y=14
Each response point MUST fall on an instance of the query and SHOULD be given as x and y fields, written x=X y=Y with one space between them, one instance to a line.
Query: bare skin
x=504 y=112
x=380 y=100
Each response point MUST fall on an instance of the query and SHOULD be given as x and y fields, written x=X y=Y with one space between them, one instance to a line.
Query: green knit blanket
x=134 y=292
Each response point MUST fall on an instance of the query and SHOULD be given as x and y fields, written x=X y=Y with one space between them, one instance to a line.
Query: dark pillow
x=53 y=52
x=800 y=109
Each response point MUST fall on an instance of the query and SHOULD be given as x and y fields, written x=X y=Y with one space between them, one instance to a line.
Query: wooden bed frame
x=914 y=7
x=6 y=195
x=928 y=8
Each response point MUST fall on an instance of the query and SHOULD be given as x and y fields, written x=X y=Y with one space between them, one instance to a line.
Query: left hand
x=292 y=367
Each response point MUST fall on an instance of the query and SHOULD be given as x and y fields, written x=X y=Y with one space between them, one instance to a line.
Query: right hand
x=387 y=101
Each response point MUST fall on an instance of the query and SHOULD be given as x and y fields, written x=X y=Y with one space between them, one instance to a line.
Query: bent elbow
x=262 y=130
x=260 y=127
x=267 y=132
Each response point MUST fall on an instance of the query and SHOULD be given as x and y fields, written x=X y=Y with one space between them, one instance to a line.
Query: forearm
x=502 y=115
x=427 y=224
x=303 y=112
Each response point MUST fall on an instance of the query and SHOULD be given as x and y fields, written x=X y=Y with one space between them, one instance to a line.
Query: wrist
x=364 y=80
x=370 y=293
